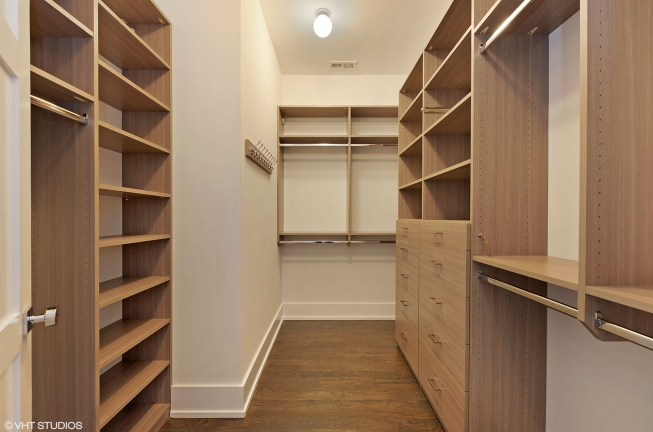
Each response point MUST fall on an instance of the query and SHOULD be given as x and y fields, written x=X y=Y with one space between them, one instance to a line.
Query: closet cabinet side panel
x=510 y=146
x=63 y=266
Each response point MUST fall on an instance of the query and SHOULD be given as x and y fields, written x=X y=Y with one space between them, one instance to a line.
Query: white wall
x=336 y=281
x=591 y=385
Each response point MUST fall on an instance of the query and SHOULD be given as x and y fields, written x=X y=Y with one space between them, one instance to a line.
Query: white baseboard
x=225 y=401
x=339 y=311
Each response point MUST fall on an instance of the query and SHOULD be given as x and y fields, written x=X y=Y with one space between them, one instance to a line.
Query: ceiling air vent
x=342 y=65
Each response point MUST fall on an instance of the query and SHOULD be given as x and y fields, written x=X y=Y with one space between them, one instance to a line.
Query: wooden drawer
x=408 y=254
x=407 y=340
x=447 y=397
x=408 y=305
x=451 y=234
x=447 y=266
x=407 y=278
x=408 y=231
x=451 y=352
x=451 y=309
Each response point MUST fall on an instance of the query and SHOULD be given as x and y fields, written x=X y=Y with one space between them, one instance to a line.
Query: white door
x=15 y=256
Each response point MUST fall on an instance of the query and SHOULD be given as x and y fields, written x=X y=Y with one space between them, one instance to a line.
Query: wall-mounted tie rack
x=261 y=155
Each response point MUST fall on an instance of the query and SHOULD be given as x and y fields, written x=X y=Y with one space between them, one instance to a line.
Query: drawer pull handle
x=403 y=336
x=405 y=228
x=436 y=234
x=436 y=300
x=404 y=303
x=432 y=336
x=432 y=382
x=404 y=249
x=403 y=275
x=437 y=264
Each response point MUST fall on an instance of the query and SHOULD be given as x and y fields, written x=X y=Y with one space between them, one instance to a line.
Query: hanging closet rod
x=314 y=145
x=623 y=332
x=435 y=110
x=560 y=307
x=58 y=110
x=375 y=145
x=335 y=241
x=502 y=27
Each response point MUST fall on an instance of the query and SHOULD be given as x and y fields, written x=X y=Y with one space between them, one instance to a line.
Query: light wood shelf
x=414 y=148
x=115 y=290
x=457 y=121
x=637 y=297
x=123 y=382
x=545 y=15
x=374 y=112
x=314 y=139
x=460 y=171
x=123 y=335
x=373 y=233
x=115 y=139
x=417 y=184
x=108 y=241
x=124 y=95
x=557 y=271
x=139 y=417
x=414 y=111
x=452 y=26
x=119 y=191
x=122 y=46
x=455 y=72
x=374 y=139
x=49 y=20
x=53 y=89
x=314 y=111
x=138 y=11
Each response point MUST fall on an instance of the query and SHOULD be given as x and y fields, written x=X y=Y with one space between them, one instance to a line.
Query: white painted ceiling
x=385 y=37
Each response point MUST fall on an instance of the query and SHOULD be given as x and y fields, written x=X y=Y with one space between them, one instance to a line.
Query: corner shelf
x=115 y=290
x=637 y=297
x=457 y=121
x=120 y=240
x=114 y=139
x=49 y=20
x=557 y=271
x=455 y=72
x=119 y=191
x=53 y=89
x=123 y=335
x=123 y=382
x=545 y=15
x=122 y=46
x=138 y=11
x=139 y=417
x=460 y=171
x=124 y=95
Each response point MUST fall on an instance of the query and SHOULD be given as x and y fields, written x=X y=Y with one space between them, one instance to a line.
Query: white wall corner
x=339 y=311
x=225 y=401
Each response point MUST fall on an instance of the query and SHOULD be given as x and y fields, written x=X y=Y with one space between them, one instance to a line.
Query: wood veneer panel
x=314 y=139
x=53 y=89
x=446 y=200
x=410 y=169
x=639 y=320
x=120 y=141
x=122 y=46
x=414 y=112
x=413 y=148
x=69 y=59
x=637 y=297
x=119 y=240
x=510 y=147
x=118 y=289
x=456 y=121
x=151 y=126
x=156 y=83
x=507 y=389
x=138 y=11
x=119 y=191
x=455 y=72
x=123 y=382
x=139 y=418
x=410 y=204
x=444 y=151
x=459 y=171
x=158 y=37
x=50 y=20
x=375 y=111
x=314 y=111
x=63 y=264
x=454 y=23
x=119 y=337
x=558 y=271
x=409 y=137
x=440 y=99
x=122 y=94
x=374 y=139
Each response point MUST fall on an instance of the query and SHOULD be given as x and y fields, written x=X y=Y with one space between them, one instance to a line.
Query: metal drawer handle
x=403 y=275
x=404 y=303
x=402 y=335
x=436 y=300
x=436 y=263
x=404 y=249
x=436 y=233
x=432 y=336
x=432 y=382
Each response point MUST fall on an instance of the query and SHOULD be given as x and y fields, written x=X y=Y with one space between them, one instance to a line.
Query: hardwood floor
x=331 y=375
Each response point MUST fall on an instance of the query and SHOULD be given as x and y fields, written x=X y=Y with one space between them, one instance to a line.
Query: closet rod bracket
x=623 y=332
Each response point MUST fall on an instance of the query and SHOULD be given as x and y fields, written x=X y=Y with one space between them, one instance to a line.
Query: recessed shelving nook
x=101 y=212
x=337 y=170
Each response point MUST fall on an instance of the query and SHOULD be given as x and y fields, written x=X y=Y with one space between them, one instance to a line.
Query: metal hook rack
x=260 y=154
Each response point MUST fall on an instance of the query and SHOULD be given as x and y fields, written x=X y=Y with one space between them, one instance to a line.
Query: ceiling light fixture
x=322 y=24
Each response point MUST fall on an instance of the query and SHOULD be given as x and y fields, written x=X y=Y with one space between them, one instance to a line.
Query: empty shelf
x=455 y=72
x=558 y=271
x=122 y=46
x=114 y=139
x=49 y=20
x=314 y=139
x=375 y=111
x=109 y=241
x=118 y=289
x=414 y=148
x=545 y=15
x=121 y=336
x=460 y=171
x=417 y=184
x=375 y=139
x=138 y=11
x=453 y=24
x=139 y=417
x=53 y=89
x=123 y=382
x=119 y=191
x=457 y=121
x=638 y=297
x=313 y=112
x=124 y=95
x=414 y=111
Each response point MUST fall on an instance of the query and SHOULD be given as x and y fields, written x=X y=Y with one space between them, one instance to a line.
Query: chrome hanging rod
x=58 y=110
x=435 y=110
x=623 y=332
x=502 y=27
x=335 y=241
x=560 y=307
x=375 y=145
x=314 y=145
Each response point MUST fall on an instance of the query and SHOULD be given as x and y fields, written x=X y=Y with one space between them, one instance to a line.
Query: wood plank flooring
x=331 y=375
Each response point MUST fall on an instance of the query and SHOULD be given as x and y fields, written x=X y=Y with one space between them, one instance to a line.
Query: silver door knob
x=49 y=318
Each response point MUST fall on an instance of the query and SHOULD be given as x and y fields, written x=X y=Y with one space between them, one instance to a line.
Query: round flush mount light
x=322 y=24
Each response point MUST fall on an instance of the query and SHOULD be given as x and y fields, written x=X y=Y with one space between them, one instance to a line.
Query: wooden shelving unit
x=116 y=378
x=557 y=271
x=457 y=121
x=338 y=134
x=455 y=71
